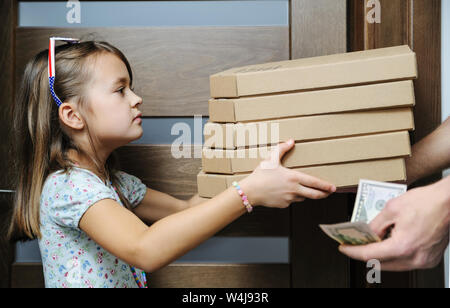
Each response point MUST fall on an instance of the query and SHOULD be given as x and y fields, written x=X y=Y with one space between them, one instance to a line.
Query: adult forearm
x=173 y=236
x=430 y=155
x=444 y=189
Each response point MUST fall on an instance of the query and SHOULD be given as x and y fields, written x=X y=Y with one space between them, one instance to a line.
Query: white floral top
x=69 y=257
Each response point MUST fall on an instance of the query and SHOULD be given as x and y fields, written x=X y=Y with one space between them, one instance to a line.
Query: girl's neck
x=84 y=162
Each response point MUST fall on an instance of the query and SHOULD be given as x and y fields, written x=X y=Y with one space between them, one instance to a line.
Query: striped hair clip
x=51 y=64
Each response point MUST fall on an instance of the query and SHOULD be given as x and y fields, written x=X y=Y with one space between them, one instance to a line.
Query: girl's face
x=114 y=117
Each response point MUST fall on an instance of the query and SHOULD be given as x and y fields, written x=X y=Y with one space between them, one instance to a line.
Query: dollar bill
x=371 y=199
x=351 y=233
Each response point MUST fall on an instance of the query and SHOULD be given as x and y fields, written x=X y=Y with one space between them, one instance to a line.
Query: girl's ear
x=70 y=116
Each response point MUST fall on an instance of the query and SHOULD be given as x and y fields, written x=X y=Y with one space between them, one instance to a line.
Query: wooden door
x=317 y=27
x=7 y=20
x=171 y=67
x=416 y=23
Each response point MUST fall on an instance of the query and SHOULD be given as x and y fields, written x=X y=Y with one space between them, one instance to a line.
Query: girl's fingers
x=311 y=193
x=298 y=199
x=277 y=154
x=313 y=182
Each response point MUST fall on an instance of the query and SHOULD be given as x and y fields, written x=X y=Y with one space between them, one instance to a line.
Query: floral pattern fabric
x=70 y=258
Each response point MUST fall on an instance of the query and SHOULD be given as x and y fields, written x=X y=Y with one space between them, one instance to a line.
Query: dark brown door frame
x=416 y=23
x=8 y=21
x=316 y=29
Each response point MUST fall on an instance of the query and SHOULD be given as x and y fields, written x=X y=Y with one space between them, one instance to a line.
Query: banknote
x=351 y=233
x=371 y=199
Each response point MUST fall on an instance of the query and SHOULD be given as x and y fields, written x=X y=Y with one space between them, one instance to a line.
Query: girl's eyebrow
x=120 y=80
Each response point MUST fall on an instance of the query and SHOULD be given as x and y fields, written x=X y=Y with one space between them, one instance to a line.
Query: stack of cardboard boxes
x=349 y=114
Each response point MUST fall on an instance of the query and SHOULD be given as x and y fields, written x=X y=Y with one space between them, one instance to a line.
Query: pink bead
x=240 y=192
x=244 y=198
x=246 y=203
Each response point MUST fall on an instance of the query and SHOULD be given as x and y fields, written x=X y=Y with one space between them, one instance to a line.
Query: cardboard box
x=354 y=68
x=333 y=151
x=233 y=136
x=341 y=175
x=367 y=97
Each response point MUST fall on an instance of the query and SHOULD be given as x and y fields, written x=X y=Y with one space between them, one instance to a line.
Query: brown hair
x=39 y=142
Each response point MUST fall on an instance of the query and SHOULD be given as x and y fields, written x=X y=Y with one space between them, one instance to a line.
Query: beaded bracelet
x=244 y=197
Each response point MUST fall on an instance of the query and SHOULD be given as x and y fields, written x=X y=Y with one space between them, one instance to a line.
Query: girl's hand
x=273 y=185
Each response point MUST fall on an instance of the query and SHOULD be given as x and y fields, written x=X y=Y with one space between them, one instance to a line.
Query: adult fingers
x=382 y=251
x=417 y=260
x=383 y=221
x=398 y=265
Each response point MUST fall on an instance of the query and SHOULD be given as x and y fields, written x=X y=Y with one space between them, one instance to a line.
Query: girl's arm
x=156 y=205
x=124 y=235
x=196 y=200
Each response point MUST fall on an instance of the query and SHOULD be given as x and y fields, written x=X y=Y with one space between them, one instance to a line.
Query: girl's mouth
x=138 y=118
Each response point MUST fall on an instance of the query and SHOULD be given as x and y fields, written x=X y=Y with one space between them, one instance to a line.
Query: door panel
x=418 y=24
x=318 y=28
x=172 y=66
x=7 y=20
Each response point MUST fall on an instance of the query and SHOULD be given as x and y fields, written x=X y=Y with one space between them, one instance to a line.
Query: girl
x=88 y=216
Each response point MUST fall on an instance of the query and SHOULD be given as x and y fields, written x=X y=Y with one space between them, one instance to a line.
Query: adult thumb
x=382 y=222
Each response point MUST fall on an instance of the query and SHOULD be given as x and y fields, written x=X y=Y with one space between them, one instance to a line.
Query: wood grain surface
x=318 y=28
x=172 y=65
x=418 y=24
x=30 y=275
x=8 y=11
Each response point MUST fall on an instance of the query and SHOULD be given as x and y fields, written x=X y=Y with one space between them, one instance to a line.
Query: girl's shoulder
x=132 y=187
x=72 y=177
x=67 y=195
x=80 y=174
x=77 y=181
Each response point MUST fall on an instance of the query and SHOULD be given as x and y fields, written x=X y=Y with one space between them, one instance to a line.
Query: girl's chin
x=118 y=141
x=139 y=134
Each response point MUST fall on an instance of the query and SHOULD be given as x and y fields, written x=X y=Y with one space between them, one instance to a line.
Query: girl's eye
x=120 y=90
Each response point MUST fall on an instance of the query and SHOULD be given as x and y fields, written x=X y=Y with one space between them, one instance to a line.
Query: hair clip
x=51 y=64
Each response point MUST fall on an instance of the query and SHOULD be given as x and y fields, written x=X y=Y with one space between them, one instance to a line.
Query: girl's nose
x=137 y=101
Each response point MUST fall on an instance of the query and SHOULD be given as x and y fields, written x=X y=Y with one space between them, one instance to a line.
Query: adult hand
x=420 y=234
